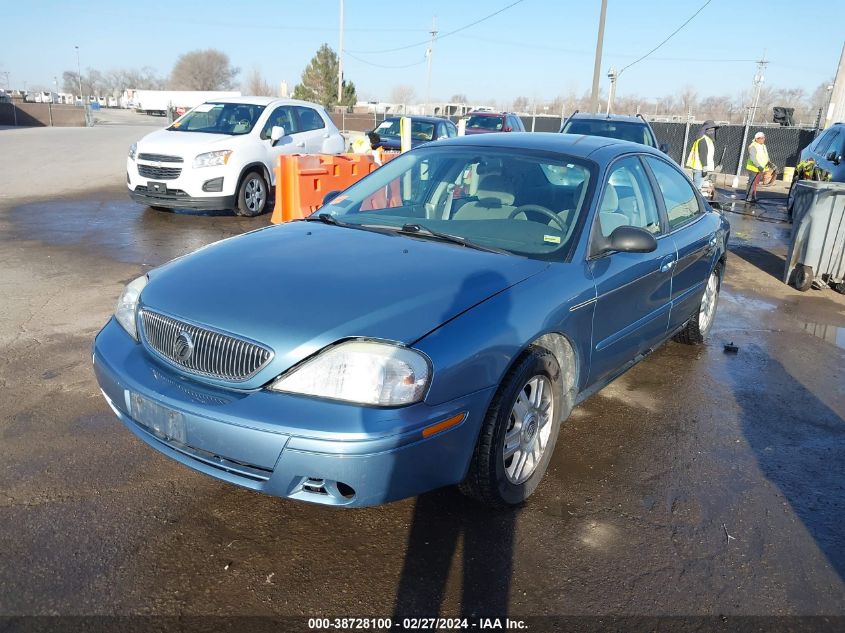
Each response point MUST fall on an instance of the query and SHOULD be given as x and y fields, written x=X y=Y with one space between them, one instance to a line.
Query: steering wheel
x=539 y=209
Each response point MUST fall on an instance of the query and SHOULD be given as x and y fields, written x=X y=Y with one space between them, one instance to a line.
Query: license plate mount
x=158 y=419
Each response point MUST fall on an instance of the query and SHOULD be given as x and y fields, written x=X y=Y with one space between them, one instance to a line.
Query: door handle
x=711 y=245
x=667 y=264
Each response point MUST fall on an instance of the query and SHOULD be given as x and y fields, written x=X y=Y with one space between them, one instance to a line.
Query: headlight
x=127 y=305
x=365 y=372
x=133 y=149
x=212 y=159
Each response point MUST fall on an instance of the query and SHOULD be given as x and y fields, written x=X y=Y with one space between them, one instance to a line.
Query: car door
x=290 y=143
x=695 y=239
x=825 y=164
x=633 y=289
x=312 y=129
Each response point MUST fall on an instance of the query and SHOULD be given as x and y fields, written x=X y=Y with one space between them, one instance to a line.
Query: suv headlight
x=212 y=159
x=364 y=372
x=127 y=306
x=133 y=150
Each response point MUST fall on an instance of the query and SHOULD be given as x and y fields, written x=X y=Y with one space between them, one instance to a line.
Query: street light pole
x=340 y=60
x=79 y=74
x=429 y=54
x=594 y=97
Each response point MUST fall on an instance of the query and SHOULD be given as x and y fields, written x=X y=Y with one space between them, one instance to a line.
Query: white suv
x=222 y=154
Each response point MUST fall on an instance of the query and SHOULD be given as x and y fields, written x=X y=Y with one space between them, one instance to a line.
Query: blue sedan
x=432 y=325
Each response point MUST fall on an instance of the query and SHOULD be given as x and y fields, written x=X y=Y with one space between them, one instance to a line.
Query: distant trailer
x=157 y=102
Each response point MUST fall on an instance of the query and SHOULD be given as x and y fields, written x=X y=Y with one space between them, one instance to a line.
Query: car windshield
x=219 y=118
x=420 y=130
x=622 y=130
x=525 y=203
x=480 y=122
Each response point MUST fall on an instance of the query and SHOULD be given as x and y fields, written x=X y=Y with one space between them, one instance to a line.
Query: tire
x=162 y=209
x=496 y=480
x=252 y=195
x=700 y=323
x=803 y=279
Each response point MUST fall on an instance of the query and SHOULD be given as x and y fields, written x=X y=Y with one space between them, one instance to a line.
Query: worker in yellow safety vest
x=757 y=163
x=702 y=154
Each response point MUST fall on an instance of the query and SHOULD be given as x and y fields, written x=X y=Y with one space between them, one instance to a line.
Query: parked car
x=626 y=128
x=433 y=325
x=423 y=130
x=821 y=160
x=222 y=153
x=485 y=122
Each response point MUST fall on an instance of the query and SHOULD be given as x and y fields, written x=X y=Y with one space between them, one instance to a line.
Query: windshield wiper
x=325 y=218
x=417 y=229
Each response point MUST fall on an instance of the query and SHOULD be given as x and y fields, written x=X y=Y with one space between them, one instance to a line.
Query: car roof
x=597 y=116
x=424 y=119
x=488 y=113
x=576 y=145
x=264 y=101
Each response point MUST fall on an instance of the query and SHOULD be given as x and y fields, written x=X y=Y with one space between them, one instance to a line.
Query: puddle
x=745 y=301
x=125 y=230
x=830 y=333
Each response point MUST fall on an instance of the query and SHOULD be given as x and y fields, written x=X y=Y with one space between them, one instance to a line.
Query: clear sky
x=540 y=48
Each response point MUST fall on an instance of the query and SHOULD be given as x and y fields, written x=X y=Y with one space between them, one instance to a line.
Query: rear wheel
x=518 y=434
x=252 y=195
x=803 y=277
x=699 y=325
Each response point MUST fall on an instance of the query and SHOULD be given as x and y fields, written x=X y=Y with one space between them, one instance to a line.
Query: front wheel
x=252 y=195
x=698 y=327
x=518 y=434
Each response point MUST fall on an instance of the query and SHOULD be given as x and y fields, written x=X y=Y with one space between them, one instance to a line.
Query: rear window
x=480 y=122
x=622 y=130
x=420 y=130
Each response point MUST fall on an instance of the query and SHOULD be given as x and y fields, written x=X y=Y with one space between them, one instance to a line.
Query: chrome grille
x=159 y=173
x=161 y=158
x=215 y=354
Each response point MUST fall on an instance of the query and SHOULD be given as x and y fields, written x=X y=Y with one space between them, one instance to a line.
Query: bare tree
x=459 y=98
x=203 y=70
x=520 y=104
x=256 y=85
x=403 y=93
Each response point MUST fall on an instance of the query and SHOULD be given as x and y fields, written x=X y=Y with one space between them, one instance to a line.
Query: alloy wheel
x=529 y=427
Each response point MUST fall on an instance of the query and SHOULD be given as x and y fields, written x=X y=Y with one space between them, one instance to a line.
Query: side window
x=628 y=199
x=830 y=144
x=283 y=117
x=451 y=130
x=821 y=142
x=309 y=119
x=678 y=194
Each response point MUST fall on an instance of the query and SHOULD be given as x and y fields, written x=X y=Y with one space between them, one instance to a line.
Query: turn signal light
x=439 y=427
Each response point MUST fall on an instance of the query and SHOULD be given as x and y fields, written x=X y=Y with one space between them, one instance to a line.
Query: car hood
x=301 y=286
x=183 y=143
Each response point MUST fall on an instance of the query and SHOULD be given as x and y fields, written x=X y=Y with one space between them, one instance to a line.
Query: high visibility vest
x=760 y=152
x=693 y=160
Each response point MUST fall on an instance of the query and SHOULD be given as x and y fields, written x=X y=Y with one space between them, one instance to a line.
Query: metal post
x=79 y=75
x=340 y=60
x=686 y=137
x=534 y=114
x=741 y=154
x=594 y=96
x=429 y=54
x=612 y=74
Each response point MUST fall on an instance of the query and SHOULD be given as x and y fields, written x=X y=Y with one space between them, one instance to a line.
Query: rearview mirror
x=630 y=239
x=277 y=133
x=664 y=147
x=715 y=205
x=833 y=158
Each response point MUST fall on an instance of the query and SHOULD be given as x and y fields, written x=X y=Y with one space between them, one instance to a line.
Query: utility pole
x=758 y=83
x=835 y=110
x=594 y=98
x=613 y=75
x=429 y=54
x=79 y=75
x=8 y=85
x=340 y=59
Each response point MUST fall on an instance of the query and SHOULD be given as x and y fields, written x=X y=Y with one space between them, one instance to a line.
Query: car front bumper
x=207 y=188
x=283 y=445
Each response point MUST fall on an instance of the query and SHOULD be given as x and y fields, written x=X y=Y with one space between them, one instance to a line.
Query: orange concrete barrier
x=302 y=181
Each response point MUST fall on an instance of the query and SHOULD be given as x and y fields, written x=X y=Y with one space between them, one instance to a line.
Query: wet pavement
x=699 y=483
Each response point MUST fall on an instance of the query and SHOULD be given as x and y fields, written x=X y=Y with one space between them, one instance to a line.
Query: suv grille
x=202 y=351
x=159 y=173
x=161 y=158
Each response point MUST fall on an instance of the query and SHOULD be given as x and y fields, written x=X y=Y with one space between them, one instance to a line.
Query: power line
x=364 y=61
x=440 y=37
x=671 y=35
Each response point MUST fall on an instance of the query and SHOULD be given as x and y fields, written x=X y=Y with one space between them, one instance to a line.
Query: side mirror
x=277 y=133
x=664 y=147
x=629 y=239
x=508 y=129
x=331 y=195
x=715 y=205
x=833 y=158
